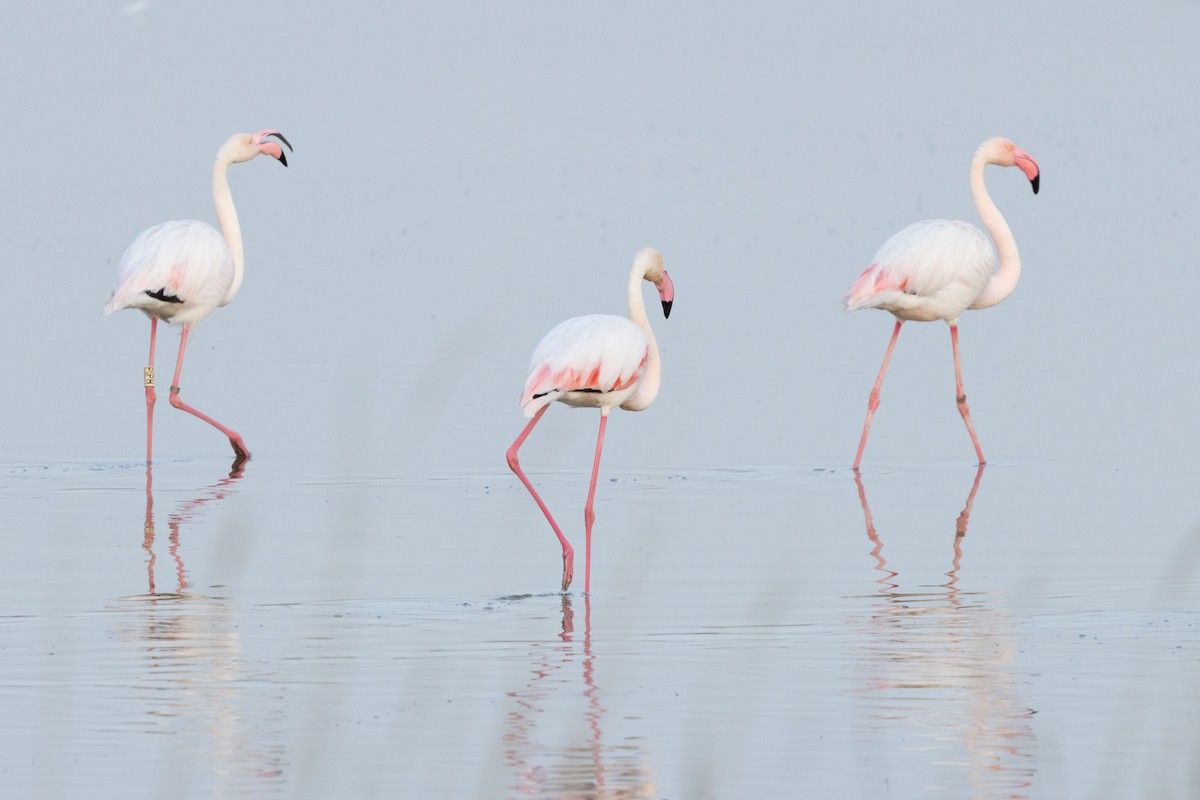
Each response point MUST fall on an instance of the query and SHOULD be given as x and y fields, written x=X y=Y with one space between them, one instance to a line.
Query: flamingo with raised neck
x=180 y=271
x=939 y=268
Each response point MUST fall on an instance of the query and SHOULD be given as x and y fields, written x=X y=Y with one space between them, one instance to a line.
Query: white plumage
x=594 y=360
x=184 y=260
x=930 y=270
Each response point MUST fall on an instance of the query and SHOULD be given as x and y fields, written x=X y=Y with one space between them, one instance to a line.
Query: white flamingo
x=598 y=361
x=180 y=271
x=939 y=268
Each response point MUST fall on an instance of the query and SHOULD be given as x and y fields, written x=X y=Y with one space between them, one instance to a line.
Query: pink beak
x=271 y=148
x=666 y=292
x=1028 y=166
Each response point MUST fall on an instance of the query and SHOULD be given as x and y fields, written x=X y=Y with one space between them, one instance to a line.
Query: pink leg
x=589 y=516
x=515 y=466
x=235 y=439
x=150 y=395
x=873 y=402
x=962 y=397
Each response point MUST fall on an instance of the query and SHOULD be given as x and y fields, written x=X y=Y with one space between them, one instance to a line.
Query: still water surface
x=920 y=631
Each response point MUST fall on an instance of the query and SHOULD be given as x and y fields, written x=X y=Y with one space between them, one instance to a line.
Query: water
x=369 y=608
x=254 y=641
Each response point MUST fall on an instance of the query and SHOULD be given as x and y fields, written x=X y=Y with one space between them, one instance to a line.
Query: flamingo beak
x=666 y=292
x=1029 y=167
x=271 y=148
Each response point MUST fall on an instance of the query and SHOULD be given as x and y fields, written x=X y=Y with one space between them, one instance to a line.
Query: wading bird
x=939 y=268
x=598 y=361
x=181 y=270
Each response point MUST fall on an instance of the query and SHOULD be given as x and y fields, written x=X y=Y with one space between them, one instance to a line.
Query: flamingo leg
x=961 y=396
x=515 y=466
x=150 y=395
x=235 y=439
x=873 y=402
x=589 y=516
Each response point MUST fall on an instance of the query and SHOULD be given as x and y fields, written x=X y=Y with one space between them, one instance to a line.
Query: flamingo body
x=939 y=268
x=931 y=270
x=177 y=271
x=595 y=361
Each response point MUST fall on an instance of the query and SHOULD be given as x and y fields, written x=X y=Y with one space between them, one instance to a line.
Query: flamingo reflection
x=184 y=513
x=188 y=665
x=593 y=770
x=939 y=671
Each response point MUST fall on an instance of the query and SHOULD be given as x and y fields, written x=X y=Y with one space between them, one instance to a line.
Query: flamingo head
x=650 y=263
x=1004 y=153
x=245 y=146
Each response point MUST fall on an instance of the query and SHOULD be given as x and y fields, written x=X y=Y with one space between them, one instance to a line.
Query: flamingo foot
x=239 y=462
x=568 y=568
x=239 y=449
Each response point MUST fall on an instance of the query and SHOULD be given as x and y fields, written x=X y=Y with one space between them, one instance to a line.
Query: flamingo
x=179 y=271
x=936 y=269
x=596 y=361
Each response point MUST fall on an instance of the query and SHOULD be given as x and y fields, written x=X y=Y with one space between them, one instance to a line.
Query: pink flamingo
x=598 y=361
x=181 y=270
x=939 y=268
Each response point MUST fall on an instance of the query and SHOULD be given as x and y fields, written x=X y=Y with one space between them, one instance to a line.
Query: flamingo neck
x=652 y=377
x=228 y=220
x=1004 y=281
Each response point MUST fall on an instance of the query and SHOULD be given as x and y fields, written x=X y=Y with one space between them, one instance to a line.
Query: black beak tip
x=283 y=160
x=1037 y=181
x=667 y=307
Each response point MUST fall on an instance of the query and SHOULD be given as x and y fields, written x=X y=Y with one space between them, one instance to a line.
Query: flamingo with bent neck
x=936 y=269
x=597 y=361
x=180 y=271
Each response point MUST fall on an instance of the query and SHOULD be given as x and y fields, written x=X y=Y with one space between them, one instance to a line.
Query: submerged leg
x=148 y=527
x=960 y=525
x=515 y=466
x=235 y=439
x=589 y=516
x=148 y=376
x=963 y=408
x=873 y=402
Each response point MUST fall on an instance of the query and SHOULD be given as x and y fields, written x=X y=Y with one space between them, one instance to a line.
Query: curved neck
x=1004 y=281
x=227 y=219
x=652 y=377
